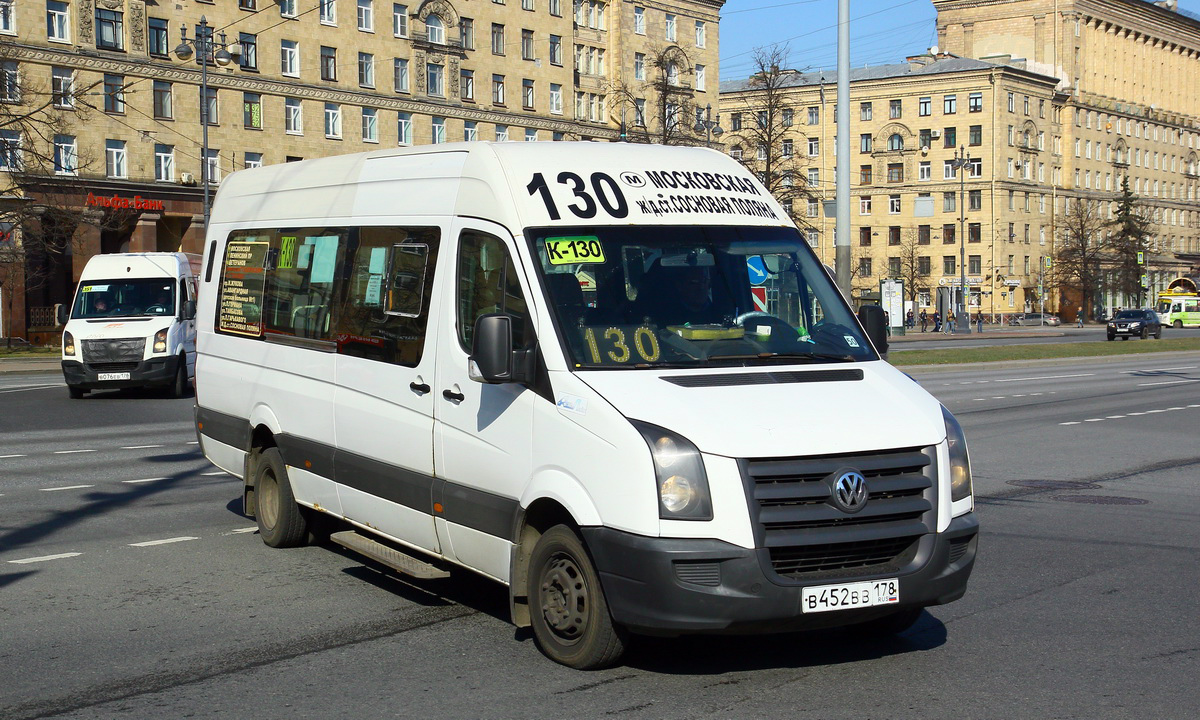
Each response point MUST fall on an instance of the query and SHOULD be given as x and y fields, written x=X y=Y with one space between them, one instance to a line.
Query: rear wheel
x=280 y=522
x=568 y=611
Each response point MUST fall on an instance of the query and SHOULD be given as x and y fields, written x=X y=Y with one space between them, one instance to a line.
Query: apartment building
x=953 y=161
x=1127 y=71
x=295 y=79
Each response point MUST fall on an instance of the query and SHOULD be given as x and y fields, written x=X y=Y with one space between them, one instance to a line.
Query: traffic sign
x=757 y=269
x=759 y=294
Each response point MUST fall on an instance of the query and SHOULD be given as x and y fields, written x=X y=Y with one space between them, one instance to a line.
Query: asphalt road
x=131 y=587
x=996 y=335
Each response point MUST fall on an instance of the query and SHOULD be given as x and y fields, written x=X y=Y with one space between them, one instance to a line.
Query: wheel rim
x=268 y=499
x=564 y=598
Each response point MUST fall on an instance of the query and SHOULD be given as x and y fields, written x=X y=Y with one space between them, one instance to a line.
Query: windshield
x=634 y=297
x=1130 y=315
x=134 y=297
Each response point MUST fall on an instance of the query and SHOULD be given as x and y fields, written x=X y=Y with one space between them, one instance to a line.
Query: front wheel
x=1145 y=333
x=76 y=393
x=280 y=522
x=1178 y=324
x=180 y=387
x=1158 y=333
x=1112 y=337
x=568 y=611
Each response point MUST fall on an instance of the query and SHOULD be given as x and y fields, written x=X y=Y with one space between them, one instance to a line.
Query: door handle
x=418 y=387
x=453 y=396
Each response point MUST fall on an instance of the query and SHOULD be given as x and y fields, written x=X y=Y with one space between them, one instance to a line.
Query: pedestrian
x=924 y=321
x=979 y=321
x=887 y=322
x=937 y=321
x=908 y=320
x=1079 y=317
x=948 y=326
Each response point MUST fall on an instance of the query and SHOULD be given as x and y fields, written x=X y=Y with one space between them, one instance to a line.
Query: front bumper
x=1130 y=331
x=666 y=586
x=152 y=372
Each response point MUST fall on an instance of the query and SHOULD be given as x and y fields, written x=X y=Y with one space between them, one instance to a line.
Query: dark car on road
x=1134 y=323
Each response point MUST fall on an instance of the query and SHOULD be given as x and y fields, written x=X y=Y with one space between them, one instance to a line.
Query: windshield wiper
x=810 y=356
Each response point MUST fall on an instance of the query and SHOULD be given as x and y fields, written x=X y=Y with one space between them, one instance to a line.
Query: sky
x=881 y=31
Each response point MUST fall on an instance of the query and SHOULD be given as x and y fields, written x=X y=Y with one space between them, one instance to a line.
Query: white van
x=613 y=377
x=132 y=323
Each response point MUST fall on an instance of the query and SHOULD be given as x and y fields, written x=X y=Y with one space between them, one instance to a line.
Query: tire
x=76 y=393
x=1112 y=337
x=1124 y=337
x=1178 y=324
x=892 y=624
x=1158 y=333
x=280 y=522
x=1145 y=333
x=180 y=387
x=570 y=618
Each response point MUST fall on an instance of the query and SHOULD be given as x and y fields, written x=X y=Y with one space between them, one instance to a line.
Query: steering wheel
x=158 y=309
x=779 y=328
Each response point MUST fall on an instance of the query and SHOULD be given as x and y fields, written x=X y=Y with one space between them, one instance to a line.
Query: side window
x=299 y=298
x=488 y=283
x=385 y=310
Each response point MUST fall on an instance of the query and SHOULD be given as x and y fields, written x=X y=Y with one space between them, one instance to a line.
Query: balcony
x=452 y=46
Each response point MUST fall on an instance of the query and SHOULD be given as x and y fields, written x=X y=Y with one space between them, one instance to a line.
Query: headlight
x=160 y=341
x=960 y=462
x=679 y=471
x=1134 y=324
x=68 y=344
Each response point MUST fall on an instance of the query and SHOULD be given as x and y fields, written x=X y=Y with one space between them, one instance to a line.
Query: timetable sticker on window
x=242 y=283
x=575 y=249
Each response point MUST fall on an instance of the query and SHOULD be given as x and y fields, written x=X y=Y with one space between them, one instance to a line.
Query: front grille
x=766 y=378
x=114 y=350
x=806 y=535
x=113 y=367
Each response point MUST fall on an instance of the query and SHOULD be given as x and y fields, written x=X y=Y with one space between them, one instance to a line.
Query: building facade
x=296 y=79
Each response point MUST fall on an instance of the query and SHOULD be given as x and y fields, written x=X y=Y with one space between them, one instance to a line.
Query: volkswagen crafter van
x=132 y=324
x=613 y=377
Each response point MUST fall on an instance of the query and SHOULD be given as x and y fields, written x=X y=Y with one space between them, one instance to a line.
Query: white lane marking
x=44 y=558
x=219 y=472
x=1045 y=377
x=5 y=457
x=66 y=487
x=71 y=452
x=148 y=543
x=1094 y=420
x=1071 y=423
x=194 y=442
x=35 y=387
x=143 y=480
x=1137 y=413
x=1193 y=406
x=1135 y=372
x=244 y=530
x=1018 y=396
x=1156 y=410
x=1113 y=417
x=1175 y=408
x=1167 y=382
x=140 y=447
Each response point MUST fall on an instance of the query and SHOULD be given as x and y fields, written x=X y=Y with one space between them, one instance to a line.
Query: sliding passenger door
x=384 y=404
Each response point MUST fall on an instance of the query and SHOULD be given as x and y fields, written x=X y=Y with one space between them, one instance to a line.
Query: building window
x=894 y=109
x=864 y=111
x=498 y=89
x=370 y=125
x=252 y=160
x=974 y=232
x=501 y=133
x=556 y=99
x=924 y=171
x=213 y=164
x=293 y=118
x=8 y=18
x=287 y=8
x=814 y=176
x=556 y=53
x=864 y=175
x=975 y=102
x=156 y=37
x=814 y=147
x=400 y=74
x=975 y=167
x=923 y=268
x=114 y=93
x=435 y=79
x=950 y=137
x=10 y=82
x=949 y=202
x=366 y=16
x=639 y=112
x=466 y=85
x=333 y=121
x=974 y=264
x=366 y=70
x=289 y=58
x=66 y=155
x=924 y=107
x=328 y=63
x=864 y=237
x=893 y=204
x=115 y=165
x=1012 y=106
x=788 y=115
x=949 y=265
x=530 y=135
x=864 y=267
x=701 y=78
x=211 y=108
x=639 y=20
x=328 y=12
x=786 y=148
x=399 y=20
x=975 y=200
x=435 y=30
x=895 y=172
x=164 y=163
x=404 y=132
x=526 y=44
x=670 y=29
x=62 y=87
x=975 y=135
x=864 y=143
x=438 y=130
x=948 y=234
x=527 y=94
x=110 y=29
x=466 y=33
x=864 y=205
x=247 y=4
x=895 y=142
x=248 y=60
x=58 y=21
x=252 y=111
x=470 y=131
x=814 y=116
x=497 y=39
x=949 y=104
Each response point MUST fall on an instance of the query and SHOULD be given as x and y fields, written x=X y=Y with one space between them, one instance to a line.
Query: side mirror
x=62 y=313
x=189 y=310
x=491 y=349
x=875 y=323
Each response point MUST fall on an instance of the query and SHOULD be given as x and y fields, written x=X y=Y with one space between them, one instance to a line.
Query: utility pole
x=841 y=232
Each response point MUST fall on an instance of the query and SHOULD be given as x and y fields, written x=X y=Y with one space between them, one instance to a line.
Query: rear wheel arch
x=532 y=522
x=261 y=438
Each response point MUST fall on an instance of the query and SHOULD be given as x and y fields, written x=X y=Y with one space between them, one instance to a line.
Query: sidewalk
x=50 y=363
x=992 y=331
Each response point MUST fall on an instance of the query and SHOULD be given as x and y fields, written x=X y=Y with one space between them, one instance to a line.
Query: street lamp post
x=960 y=164
x=203 y=46
x=709 y=127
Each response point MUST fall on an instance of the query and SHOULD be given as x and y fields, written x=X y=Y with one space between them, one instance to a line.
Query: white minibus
x=132 y=324
x=613 y=377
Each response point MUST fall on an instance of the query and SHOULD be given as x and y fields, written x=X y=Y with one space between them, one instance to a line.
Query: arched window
x=672 y=74
x=895 y=142
x=436 y=29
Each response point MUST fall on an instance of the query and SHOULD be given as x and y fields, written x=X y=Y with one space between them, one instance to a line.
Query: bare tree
x=912 y=271
x=768 y=135
x=659 y=110
x=1079 y=251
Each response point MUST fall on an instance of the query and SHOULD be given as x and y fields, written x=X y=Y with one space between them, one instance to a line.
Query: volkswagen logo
x=850 y=492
